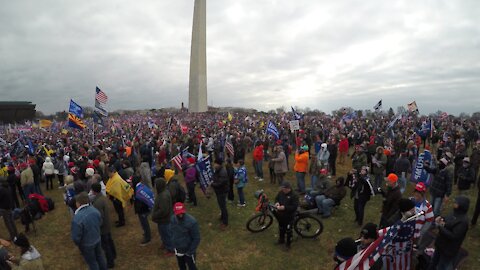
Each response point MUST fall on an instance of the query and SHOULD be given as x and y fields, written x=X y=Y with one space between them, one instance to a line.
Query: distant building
x=16 y=111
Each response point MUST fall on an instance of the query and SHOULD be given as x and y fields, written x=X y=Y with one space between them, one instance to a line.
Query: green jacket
x=100 y=202
x=359 y=160
x=162 y=208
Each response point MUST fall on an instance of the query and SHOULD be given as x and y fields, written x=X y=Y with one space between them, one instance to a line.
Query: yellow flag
x=229 y=117
x=48 y=152
x=44 y=123
x=64 y=131
x=119 y=189
x=262 y=124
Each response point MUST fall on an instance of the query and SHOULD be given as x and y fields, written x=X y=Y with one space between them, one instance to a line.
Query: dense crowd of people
x=130 y=159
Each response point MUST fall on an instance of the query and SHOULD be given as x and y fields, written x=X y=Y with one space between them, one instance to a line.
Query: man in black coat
x=452 y=232
x=220 y=186
x=391 y=198
x=286 y=203
x=6 y=207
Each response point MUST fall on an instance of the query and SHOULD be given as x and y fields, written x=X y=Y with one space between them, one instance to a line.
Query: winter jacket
x=290 y=201
x=86 y=226
x=382 y=162
x=6 y=200
x=343 y=146
x=363 y=188
x=390 y=206
x=146 y=174
x=191 y=174
x=336 y=193
x=258 y=153
x=100 y=203
x=442 y=182
x=301 y=162
x=162 y=208
x=30 y=260
x=450 y=237
x=466 y=177
x=220 y=180
x=185 y=234
x=241 y=177
x=26 y=177
x=359 y=160
x=332 y=150
x=402 y=165
x=48 y=167
x=280 y=163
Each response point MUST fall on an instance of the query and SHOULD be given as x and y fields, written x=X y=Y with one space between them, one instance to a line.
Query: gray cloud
x=261 y=54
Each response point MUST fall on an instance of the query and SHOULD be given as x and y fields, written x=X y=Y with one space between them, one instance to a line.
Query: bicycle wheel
x=308 y=226
x=259 y=222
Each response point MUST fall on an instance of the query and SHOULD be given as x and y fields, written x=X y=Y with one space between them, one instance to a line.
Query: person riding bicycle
x=286 y=203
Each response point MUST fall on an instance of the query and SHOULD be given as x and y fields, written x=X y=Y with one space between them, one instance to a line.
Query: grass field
x=235 y=248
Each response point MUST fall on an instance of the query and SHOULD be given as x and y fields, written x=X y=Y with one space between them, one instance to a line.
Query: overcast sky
x=261 y=53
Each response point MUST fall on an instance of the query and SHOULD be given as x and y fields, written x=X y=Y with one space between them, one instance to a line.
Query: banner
x=145 y=194
x=119 y=189
x=44 y=123
x=75 y=109
x=419 y=174
x=205 y=172
x=294 y=125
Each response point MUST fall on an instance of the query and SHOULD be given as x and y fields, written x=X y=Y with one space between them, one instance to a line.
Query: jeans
x=222 y=204
x=109 y=248
x=184 y=261
x=359 y=207
x=324 y=205
x=165 y=235
x=49 y=181
x=9 y=222
x=94 y=257
x=437 y=205
x=300 y=181
x=28 y=189
x=402 y=182
x=440 y=262
x=258 y=168
x=143 y=218
x=241 y=195
x=313 y=181
x=378 y=181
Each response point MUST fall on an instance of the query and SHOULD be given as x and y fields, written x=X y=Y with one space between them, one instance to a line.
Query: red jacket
x=258 y=153
x=343 y=145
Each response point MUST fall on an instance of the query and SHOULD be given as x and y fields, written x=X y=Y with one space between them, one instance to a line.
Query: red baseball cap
x=420 y=186
x=179 y=208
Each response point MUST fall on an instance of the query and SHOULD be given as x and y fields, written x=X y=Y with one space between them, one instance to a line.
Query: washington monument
x=197 y=98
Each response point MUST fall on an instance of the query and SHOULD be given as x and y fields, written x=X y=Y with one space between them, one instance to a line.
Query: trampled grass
x=235 y=248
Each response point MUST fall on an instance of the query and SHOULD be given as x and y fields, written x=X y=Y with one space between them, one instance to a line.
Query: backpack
x=51 y=204
x=41 y=201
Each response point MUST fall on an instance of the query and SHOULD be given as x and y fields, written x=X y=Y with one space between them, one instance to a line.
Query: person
x=162 y=210
x=190 y=179
x=12 y=180
x=48 y=170
x=27 y=180
x=368 y=235
x=391 y=199
x=301 y=167
x=359 y=158
x=258 y=161
x=60 y=168
x=119 y=192
x=231 y=179
x=6 y=207
x=441 y=187
x=323 y=156
x=30 y=258
x=343 y=149
x=466 y=176
x=423 y=222
x=286 y=203
x=220 y=186
x=332 y=159
x=451 y=233
x=345 y=249
x=100 y=203
x=86 y=233
x=362 y=190
x=280 y=166
x=332 y=197
x=143 y=202
x=185 y=237
x=401 y=168
x=379 y=161
x=240 y=181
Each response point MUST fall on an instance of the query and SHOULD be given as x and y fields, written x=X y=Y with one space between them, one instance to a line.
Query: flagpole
x=93 y=136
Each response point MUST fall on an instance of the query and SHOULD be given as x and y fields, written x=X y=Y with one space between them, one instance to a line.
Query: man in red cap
x=391 y=199
x=185 y=236
x=424 y=221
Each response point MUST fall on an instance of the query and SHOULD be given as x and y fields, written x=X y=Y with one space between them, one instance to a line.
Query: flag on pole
x=45 y=123
x=378 y=106
x=229 y=148
x=272 y=129
x=432 y=128
x=75 y=109
x=99 y=109
x=229 y=117
x=100 y=96
x=75 y=113
x=177 y=161
x=204 y=169
x=412 y=107
x=392 y=123
x=296 y=115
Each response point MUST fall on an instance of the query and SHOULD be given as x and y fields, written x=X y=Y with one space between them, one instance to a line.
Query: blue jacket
x=185 y=234
x=86 y=227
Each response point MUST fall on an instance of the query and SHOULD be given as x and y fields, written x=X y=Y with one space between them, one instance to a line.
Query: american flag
x=100 y=96
x=378 y=106
x=399 y=254
x=387 y=242
x=177 y=161
x=229 y=148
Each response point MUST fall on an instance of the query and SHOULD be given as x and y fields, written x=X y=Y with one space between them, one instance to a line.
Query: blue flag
x=419 y=174
x=144 y=193
x=204 y=169
x=272 y=129
x=296 y=114
x=75 y=109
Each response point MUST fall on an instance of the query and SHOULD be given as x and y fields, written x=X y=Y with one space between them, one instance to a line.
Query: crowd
x=131 y=159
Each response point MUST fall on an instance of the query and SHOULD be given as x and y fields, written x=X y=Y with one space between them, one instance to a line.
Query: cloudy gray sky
x=261 y=53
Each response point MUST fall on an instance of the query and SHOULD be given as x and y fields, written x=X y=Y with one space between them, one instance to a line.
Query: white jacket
x=48 y=168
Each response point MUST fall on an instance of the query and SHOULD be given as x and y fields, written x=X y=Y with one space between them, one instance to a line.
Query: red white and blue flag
x=100 y=96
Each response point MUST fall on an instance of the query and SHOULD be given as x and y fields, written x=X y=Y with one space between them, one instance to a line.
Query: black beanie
x=406 y=204
x=96 y=187
x=346 y=248
x=21 y=241
x=370 y=231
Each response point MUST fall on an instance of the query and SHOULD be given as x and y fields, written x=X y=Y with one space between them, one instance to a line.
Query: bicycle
x=305 y=224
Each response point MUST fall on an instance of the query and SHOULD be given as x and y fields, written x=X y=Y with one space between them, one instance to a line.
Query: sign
x=419 y=174
x=204 y=169
x=294 y=125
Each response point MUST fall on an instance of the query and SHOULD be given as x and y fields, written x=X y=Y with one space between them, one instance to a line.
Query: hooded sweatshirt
x=162 y=208
x=450 y=237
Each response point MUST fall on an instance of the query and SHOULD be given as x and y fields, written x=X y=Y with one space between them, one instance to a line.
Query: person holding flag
x=120 y=193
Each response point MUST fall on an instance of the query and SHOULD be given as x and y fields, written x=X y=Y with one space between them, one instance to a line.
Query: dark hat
x=21 y=240
x=219 y=161
x=346 y=248
x=369 y=231
x=406 y=205
x=286 y=184
x=96 y=187
x=463 y=203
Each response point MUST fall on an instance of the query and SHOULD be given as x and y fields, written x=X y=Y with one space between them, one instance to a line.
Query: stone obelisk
x=197 y=98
